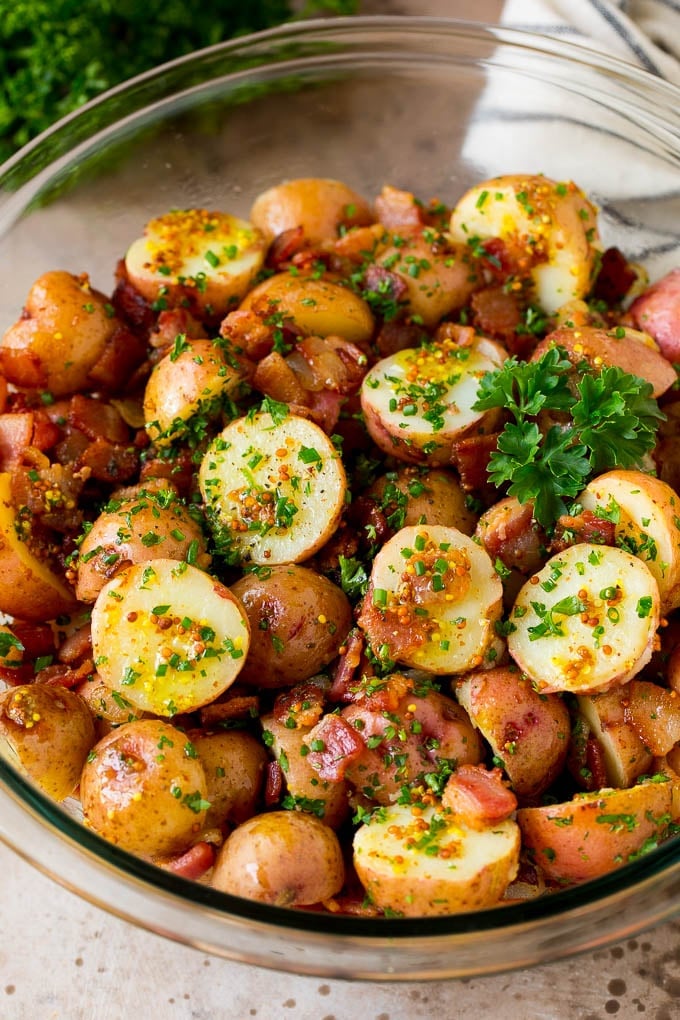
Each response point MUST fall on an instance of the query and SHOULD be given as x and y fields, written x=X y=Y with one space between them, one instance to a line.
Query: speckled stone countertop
x=61 y=959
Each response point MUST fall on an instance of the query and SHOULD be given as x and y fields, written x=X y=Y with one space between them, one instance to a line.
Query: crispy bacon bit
x=496 y=313
x=383 y=281
x=325 y=409
x=586 y=527
x=479 y=797
x=470 y=457
x=234 y=706
x=367 y=517
x=123 y=353
x=77 y=646
x=304 y=703
x=192 y=864
x=61 y=675
x=129 y=303
x=173 y=322
x=247 y=331
x=23 y=367
x=276 y=379
x=97 y=419
x=397 y=336
x=342 y=745
x=615 y=277
x=284 y=246
x=344 y=676
x=273 y=783
x=46 y=433
x=110 y=462
x=509 y=533
x=396 y=209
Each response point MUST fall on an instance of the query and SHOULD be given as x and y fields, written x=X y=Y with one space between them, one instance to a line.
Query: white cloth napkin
x=644 y=32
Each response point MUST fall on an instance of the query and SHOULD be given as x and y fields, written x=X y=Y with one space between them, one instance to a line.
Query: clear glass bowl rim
x=646 y=93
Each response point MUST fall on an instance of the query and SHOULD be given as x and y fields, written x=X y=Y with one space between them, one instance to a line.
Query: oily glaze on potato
x=233 y=762
x=418 y=495
x=285 y=858
x=426 y=863
x=318 y=205
x=143 y=789
x=595 y=832
x=298 y=619
x=47 y=733
x=624 y=754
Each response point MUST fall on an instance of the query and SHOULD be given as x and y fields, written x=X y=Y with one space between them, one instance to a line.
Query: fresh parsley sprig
x=610 y=420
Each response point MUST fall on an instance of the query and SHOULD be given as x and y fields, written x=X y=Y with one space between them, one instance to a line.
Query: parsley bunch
x=57 y=54
x=611 y=421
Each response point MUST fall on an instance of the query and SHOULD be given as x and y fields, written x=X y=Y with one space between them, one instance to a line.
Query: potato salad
x=340 y=547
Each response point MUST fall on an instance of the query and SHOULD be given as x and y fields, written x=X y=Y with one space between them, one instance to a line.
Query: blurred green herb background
x=57 y=54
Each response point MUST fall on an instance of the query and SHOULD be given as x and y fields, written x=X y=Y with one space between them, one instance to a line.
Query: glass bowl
x=430 y=105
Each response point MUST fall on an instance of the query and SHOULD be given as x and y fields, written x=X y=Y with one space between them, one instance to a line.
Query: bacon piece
x=304 y=703
x=509 y=533
x=478 y=797
x=192 y=864
x=275 y=378
x=16 y=433
x=496 y=312
x=470 y=457
x=396 y=335
x=346 y=668
x=247 y=331
x=129 y=303
x=46 y=433
x=382 y=281
x=273 y=783
x=110 y=462
x=615 y=277
x=284 y=246
x=61 y=675
x=342 y=745
x=23 y=367
x=77 y=646
x=37 y=640
x=97 y=419
x=123 y=353
x=396 y=208
x=585 y=527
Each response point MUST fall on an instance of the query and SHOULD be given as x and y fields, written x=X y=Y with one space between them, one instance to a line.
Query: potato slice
x=168 y=637
x=624 y=754
x=417 y=402
x=211 y=258
x=586 y=622
x=595 y=832
x=320 y=205
x=646 y=514
x=318 y=307
x=29 y=589
x=432 y=600
x=425 y=863
x=549 y=226
x=274 y=488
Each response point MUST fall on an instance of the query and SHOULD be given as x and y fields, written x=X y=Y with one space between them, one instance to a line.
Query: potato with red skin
x=624 y=754
x=153 y=522
x=426 y=495
x=60 y=337
x=595 y=832
x=319 y=205
x=108 y=711
x=285 y=858
x=328 y=801
x=47 y=733
x=298 y=619
x=141 y=789
x=529 y=732
x=233 y=762
x=633 y=352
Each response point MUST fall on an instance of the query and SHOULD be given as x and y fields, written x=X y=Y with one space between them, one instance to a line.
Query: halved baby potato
x=274 y=489
x=209 y=258
x=595 y=832
x=585 y=622
x=29 y=588
x=168 y=637
x=423 y=862
x=646 y=515
x=432 y=600
x=419 y=401
x=548 y=228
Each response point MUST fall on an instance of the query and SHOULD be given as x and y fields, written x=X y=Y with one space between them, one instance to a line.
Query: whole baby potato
x=319 y=205
x=284 y=858
x=426 y=496
x=298 y=620
x=233 y=762
x=46 y=732
x=60 y=337
x=109 y=708
x=152 y=523
x=142 y=789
